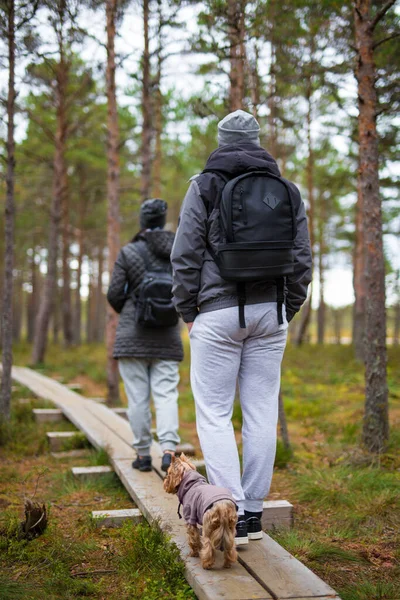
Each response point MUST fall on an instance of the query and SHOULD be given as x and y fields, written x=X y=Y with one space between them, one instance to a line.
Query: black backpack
x=154 y=307
x=257 y=228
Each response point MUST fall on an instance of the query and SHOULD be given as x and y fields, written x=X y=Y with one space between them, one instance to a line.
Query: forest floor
x=347 y=505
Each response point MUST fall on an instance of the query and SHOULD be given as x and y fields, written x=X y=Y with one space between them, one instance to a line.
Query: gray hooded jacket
x=198 y=286
x=196 y=495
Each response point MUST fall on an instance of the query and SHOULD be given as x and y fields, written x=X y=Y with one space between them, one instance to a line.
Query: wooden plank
x=83 y=453
x=116 y=518
x=48 y=415
x=277 y=513
x=90 y=472
x=78 y=410
x=284 y=575
x=216 y=584
x=265 y=570
x=57 y=439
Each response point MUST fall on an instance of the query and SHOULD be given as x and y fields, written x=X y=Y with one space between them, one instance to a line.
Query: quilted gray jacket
x=133 y=341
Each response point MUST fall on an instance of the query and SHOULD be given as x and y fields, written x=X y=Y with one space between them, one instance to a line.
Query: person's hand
x=189 y=326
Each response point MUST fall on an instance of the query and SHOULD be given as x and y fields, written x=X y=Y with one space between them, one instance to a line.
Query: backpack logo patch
x=271 y=201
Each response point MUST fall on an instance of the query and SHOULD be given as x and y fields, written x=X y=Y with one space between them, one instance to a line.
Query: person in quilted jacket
x=148 y=359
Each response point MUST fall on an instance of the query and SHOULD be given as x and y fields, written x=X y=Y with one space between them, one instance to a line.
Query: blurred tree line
x=324 y=85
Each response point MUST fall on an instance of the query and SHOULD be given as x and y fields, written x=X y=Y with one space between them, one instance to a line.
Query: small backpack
x=154 y=307
x=257 y=232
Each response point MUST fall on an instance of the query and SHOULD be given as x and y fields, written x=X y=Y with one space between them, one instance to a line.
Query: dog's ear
x=173 y=457
x=187 y=461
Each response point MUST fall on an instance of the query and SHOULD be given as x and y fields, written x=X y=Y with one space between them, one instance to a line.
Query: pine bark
x=99 y=314
x=158 y=110
x=376 y=423
x=306 y=310
x=7 y=314
x=237 y=53
x=396 y=328
x=59 y=183
x=282 y=422
x=359 y=282
x=78 y=300
x=113 y=221
x=321 y=272
x=147 y=134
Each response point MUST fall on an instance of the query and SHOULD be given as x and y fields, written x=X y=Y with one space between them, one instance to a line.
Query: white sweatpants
x=221 y=354
x=160 y=378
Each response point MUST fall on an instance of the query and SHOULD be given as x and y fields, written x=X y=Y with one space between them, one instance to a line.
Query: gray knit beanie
x=239 y=126
x=153 y=213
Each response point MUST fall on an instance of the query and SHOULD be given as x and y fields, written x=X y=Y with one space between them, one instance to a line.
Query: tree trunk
x=237 y=53
x=113 y=223
x=282 y=422
x=89 y=303
x=99 y=314
x=321 y=274
x=306 y=311
x=254 y=78
x=31 y=305
x=272 y=125
x=359 y=283
x=78 y=300
x=396 y=329
x=158 y=111
x=7 y=316
x=145 y=183
x=18 y=302
x=56 y=317
x=49 y=290
x=337 y=325
x=376 y=422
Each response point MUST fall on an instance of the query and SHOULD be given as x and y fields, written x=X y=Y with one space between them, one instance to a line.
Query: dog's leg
x=230 y=553
x=207 y=554
x=194 y=540
x=208 y=543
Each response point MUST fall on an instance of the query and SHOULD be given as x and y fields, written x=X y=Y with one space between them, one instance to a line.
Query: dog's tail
x=219 y=532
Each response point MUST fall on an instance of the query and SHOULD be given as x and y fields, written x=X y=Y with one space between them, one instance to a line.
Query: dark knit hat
x=153 y=213
x=238 y=126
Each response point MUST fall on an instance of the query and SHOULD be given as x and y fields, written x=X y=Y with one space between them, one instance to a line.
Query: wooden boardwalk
x=265 y=571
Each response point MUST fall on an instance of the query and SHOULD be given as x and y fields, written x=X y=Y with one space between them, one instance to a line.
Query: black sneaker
x=142 y=463
x=254 y=529
x=241 y=532
x=166 y=461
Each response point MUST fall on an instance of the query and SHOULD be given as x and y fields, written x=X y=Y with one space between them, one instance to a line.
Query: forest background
x=105 y=103
x=109 y=103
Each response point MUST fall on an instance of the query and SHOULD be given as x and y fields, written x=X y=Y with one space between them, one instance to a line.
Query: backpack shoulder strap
x=210 y=203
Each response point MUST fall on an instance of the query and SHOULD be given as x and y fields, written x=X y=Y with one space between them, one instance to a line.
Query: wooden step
x=48 y=415
x=116 y=518
x=90 y=472
x=57 y=439
x=187 y=449
x=277 y=513
x=122 y=412
x=82 y=453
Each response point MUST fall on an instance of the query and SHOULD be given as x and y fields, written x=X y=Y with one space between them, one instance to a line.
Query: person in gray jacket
x=221 y=351
x=148 y=359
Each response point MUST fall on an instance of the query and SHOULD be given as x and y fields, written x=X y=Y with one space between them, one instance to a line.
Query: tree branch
x=381 y=13
x=386 y=39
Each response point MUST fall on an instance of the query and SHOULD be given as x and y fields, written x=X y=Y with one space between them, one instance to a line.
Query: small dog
x=207 y=505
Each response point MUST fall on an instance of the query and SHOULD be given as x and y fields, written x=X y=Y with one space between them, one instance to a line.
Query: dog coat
x=196 y=496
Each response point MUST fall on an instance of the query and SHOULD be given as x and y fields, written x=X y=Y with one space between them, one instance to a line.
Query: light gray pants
x=221 y=354
x=160 y=378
